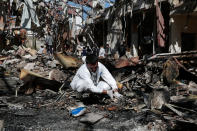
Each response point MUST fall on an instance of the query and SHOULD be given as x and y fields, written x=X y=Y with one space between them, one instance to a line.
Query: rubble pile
x=35 y=94
x=17 y=65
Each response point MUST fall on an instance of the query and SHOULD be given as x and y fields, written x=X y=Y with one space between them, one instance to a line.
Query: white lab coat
x=83 y=81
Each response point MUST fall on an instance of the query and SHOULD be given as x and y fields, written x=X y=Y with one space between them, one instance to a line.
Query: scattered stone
x=12 y=61
x=130 y=94
x=29 y=66
x=51 y=64
x=27 y=56
x=20 y=51
x=159 y=98
x=34 y=57
x=15 y=106
x=57 y=75
x=31 y=51
x=91 y=118
x=21 y=65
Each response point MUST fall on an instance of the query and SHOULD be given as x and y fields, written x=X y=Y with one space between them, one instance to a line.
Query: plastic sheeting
x=29 y=15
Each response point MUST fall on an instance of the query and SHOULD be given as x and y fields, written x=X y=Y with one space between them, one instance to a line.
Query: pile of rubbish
x=159 y=94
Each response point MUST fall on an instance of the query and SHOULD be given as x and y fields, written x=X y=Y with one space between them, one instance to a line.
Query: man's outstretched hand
x=117 y=95
x=110 y=94
x=113 y=94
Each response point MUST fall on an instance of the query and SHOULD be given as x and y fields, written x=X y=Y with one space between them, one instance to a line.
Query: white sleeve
x=107 y=77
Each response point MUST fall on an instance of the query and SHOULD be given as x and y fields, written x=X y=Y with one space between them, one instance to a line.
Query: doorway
x=188 y=41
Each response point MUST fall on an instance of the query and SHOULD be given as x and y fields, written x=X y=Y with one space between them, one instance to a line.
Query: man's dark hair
x=91 y=59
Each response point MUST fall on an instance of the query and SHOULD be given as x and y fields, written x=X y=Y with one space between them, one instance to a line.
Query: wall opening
x=188 y=41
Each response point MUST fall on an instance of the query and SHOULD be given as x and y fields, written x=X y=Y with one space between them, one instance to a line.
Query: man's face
x=93 y=67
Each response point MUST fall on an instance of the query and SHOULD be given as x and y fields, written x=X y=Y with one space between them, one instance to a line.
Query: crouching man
x=88 y=75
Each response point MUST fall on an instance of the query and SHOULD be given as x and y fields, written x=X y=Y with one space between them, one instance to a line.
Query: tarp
x=29 y=15
x=160 y=26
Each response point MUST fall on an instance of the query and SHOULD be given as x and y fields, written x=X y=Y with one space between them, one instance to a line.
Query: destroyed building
x=182 y=20
x=135 y=23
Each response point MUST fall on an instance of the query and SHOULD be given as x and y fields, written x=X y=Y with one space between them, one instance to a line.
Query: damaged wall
x=180 y=25
x=134 y=41
x=115 y=33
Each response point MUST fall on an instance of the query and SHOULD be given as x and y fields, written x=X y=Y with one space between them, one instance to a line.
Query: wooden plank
x=67 y=61
x=34 y=80
x=174 y=110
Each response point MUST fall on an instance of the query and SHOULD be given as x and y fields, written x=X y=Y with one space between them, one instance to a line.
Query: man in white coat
x=88 y=75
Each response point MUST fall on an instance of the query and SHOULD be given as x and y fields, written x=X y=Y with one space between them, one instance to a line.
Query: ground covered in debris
x=159 y=94
x=41 y=113
x=57 y=118
x=27 y=113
